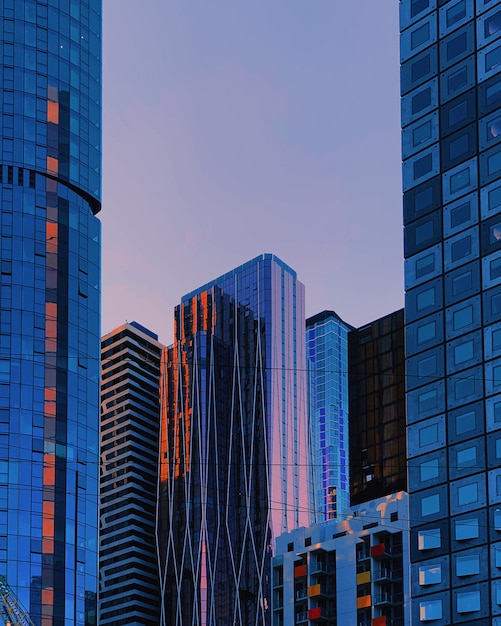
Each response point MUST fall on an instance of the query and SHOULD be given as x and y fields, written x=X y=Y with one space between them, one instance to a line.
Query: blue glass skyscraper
x=327 y=355
x=451 y=118
x=233 y=464
x=50 y=90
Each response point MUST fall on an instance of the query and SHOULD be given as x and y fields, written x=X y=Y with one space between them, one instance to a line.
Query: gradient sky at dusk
x=237 y=127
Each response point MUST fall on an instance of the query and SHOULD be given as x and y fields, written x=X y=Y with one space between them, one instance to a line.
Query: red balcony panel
x=300 y=571
x=378 y=550
x=379 y=621
x=315 y=613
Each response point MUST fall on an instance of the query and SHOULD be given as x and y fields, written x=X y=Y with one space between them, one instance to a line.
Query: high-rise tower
x=327 y=355
x=451 y=118
x=50 y=151
x=233 y=444
x=376 y=359
x=130 y=420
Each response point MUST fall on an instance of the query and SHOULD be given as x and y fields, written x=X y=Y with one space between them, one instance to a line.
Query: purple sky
x=236 y=128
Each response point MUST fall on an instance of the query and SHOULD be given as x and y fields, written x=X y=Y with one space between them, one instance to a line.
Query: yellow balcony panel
x=363 y=602
x=363 y=578
x=313 y=590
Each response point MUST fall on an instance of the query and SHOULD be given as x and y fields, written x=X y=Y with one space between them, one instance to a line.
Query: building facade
x=376 y=358
x=50 y=305
x=129 y=588
x=233 y=455
x=327 y=358
x=451 y=115
x=350 y=572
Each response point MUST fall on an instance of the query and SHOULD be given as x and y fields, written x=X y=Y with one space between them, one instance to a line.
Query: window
x=429 y=539
x=455 y=13
x=466 y=529
x=467 y=457
x=464 y=387
x=459 y=180
x=425 y=265
x=417 y=6
x=428 y=470
x=465 y=422
x=492 y=25
x=457 y=46
x=497 y=556
x=468 y=601
x=427 y=367
x=430 y=504
x=495 y=268
x=422 y=133
x=423 y=166
x=426 y=332
x=430 y=574
x=428 y=435
x=462 y=317
x=430 y=610
x=467 y=494
x=420 y=36
x=421 y=100
x=493 y=59
x=461 y=248
x=425 y=299
x=468 y=565
x=458 y=113
x=427 y=400
x=497 y=592
x=463 y=352
x=497 y=519
x=460 y=214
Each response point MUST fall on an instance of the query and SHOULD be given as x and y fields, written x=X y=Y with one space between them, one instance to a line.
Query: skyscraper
x=130 y=420
x=451 y=115
x=376 y=376
x=233 y=444
x=327 y=355
x=49 y=305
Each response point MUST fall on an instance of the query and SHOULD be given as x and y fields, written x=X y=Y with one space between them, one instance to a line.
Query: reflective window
x=497 y=519
x=497 y=592
x=420 y=35
x=463 y=352
x=468 y=565
x=425 y=265
x=467 y=457
x=426 y=332
x=465 y=422
x=490 y=198
x=430 y=610
x=427 y=400
x=428 y=435
x=467 y=494
x=497 y=556
x=466 y=529
x=429 y=539
x=468 y=601
x=430 y=504
x=428 y=470
x=462 y=317
x=430 y=574
x=455 y=13
x=425 y=299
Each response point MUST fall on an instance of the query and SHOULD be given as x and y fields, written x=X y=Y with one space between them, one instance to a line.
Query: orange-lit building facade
x=50 y=305
x=233 y=459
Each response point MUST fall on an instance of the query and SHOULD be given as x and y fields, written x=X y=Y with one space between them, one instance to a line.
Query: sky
x=233 y=128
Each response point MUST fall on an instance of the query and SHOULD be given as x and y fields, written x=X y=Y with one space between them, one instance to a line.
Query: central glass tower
x=233 y=444
x=50 y=161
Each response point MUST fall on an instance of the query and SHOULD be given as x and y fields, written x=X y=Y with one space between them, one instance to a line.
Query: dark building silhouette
x=377 y=409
